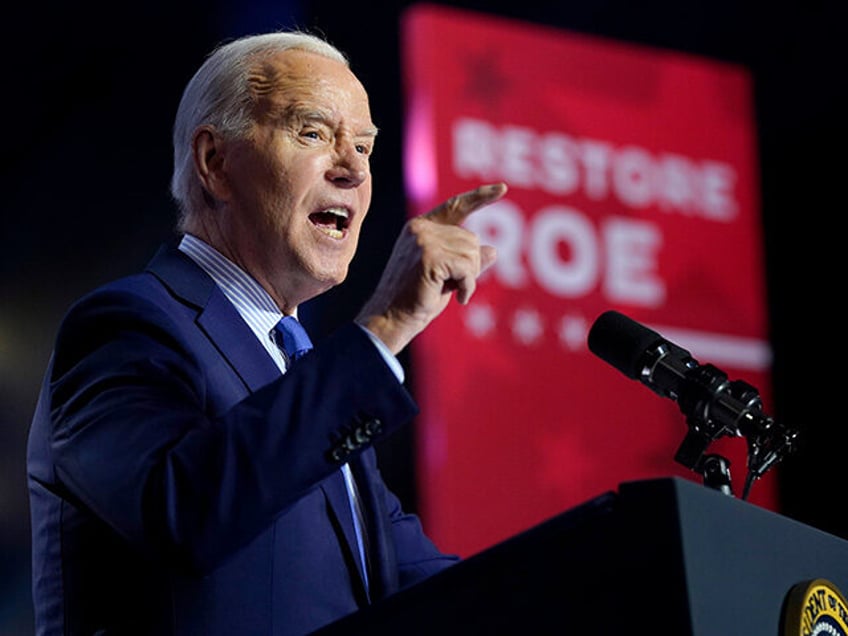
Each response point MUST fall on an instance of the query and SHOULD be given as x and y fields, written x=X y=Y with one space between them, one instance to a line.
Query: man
x=187 y=475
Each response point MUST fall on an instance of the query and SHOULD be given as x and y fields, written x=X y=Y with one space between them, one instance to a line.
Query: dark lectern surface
x=665 y=556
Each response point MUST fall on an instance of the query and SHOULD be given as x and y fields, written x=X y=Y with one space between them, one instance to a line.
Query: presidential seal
x=815 y=608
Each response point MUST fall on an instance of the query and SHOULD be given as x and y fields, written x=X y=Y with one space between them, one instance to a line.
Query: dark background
x=89 y=94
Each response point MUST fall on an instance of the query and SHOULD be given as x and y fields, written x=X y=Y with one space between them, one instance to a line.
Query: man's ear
x=208 y=149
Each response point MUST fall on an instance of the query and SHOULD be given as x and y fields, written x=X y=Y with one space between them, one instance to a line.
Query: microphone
x=713 y=405
x=640 y=353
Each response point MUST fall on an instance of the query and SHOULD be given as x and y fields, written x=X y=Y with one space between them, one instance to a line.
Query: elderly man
x=195 y=466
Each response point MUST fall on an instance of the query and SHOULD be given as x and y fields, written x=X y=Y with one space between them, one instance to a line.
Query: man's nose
x=350 y=167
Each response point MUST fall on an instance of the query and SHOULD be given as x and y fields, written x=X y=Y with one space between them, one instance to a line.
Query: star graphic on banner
x=484 y=80
x=573 y=330
x=480 y=320
x=527 y=326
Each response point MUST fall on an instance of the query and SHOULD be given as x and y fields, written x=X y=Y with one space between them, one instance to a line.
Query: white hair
x=219 y=95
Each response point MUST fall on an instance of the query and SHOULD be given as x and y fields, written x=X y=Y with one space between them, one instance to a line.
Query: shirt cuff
x=388 y=356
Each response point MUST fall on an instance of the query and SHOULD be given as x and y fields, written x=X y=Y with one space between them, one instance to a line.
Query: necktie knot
x=292 y=337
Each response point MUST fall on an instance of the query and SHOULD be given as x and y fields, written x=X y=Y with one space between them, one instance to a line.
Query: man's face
x=300 y=184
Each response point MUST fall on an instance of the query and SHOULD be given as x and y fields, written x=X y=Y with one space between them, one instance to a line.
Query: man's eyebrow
x=295 y=112
x=299 y=113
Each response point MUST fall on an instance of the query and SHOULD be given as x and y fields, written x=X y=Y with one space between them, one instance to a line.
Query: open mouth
x=333 y=221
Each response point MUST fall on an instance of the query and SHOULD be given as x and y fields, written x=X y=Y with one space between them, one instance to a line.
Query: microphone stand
x=713 y=468
x=716 y=407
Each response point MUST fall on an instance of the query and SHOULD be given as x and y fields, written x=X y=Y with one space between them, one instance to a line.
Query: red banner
x=633 y=186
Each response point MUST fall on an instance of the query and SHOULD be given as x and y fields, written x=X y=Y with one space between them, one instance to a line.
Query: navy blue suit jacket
x=180 y=485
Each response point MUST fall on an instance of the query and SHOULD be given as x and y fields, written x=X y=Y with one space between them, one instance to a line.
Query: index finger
x=455 y=210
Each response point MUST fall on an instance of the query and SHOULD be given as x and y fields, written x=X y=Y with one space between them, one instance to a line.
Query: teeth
x=331 y=221
x=337 y=212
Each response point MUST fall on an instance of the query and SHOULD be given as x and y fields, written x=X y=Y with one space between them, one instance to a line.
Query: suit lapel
x=236 y=342
x=217 y=317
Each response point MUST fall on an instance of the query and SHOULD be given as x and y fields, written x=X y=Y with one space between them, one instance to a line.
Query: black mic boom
x=640 y=353
x=714 y=406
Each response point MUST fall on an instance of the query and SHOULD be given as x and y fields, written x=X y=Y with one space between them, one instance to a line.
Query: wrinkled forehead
x=295 y=76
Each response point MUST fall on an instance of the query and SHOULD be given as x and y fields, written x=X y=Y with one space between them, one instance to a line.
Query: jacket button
x=373 y=427
x=339 y=453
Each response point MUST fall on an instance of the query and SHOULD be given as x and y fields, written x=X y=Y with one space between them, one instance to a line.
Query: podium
x=666 y=556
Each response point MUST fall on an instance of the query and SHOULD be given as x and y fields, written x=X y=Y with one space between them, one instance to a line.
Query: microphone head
x=622 y=342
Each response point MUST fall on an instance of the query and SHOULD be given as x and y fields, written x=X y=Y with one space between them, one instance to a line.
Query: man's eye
x=363 y=149
x=311 y=134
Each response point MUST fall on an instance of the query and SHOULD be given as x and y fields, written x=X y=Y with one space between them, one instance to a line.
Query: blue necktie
x=292 y=337
x=294 y=341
